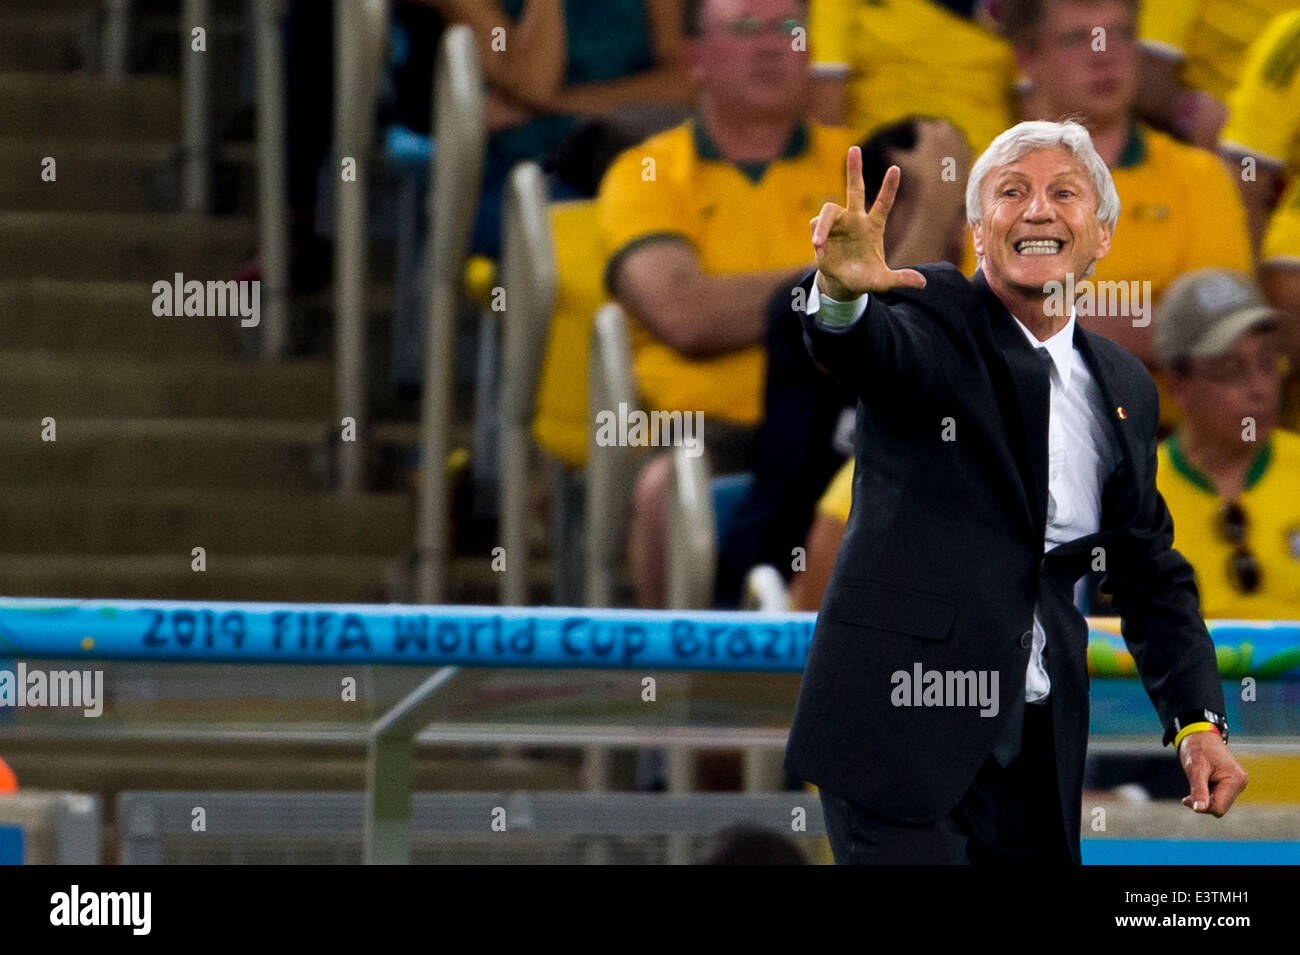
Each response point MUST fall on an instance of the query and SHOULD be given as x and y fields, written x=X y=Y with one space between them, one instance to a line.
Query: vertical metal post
x=390 y=772
x=360 y=34
x=529 y=274
x=609 y=471
x=455 y=176
x=272 y=189
x=595 y=770
x=117 y=27
x=196 y=105
x=692 y=537
x=681 y=780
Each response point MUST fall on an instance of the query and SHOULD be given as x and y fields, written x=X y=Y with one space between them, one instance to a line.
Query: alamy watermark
x=82 y=689
x=924 y=687
x=1093 y=299
x=133 y=910
x=208 y=299
x=654 y=429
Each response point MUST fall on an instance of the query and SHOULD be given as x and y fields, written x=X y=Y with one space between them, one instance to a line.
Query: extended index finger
x=885 y=198
x=856 y=194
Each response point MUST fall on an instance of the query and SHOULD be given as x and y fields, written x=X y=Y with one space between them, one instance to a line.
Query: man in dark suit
x=1002 y=451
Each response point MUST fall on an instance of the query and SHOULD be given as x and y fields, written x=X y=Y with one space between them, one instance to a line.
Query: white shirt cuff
x=834 y=313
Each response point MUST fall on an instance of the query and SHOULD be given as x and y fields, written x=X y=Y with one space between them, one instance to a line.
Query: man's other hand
x=1215 y=775
x=849 y=241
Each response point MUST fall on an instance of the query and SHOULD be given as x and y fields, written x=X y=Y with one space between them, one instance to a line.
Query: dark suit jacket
x=942 y=560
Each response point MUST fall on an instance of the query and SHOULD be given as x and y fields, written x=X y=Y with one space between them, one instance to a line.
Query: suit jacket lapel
x=1024 y=407
x=1113 y=398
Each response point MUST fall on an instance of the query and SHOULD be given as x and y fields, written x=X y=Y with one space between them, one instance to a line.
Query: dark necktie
x=1031 y=370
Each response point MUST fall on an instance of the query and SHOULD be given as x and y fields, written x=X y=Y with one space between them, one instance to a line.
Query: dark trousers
x=1009 y=815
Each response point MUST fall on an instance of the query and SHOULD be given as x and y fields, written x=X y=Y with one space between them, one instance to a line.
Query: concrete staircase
x=167 y=436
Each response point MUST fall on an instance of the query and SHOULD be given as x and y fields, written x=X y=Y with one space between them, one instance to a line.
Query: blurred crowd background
x=683 y=146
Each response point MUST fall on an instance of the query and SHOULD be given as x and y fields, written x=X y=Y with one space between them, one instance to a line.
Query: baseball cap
x=1203 y=312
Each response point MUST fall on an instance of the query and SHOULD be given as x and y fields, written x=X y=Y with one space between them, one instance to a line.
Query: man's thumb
x=909 y=278
x=1199 y=777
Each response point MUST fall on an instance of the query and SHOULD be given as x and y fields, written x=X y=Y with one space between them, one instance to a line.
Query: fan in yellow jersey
x=1262 y=136
x=1228 y=474
x=700 y=225
x=878 y=61
x=1193 y=54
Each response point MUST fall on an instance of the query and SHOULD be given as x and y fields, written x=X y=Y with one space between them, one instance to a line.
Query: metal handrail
x=196 y=93
x=692 y=552
x=360 y=32
x=528 y=268
x=455 y=176
x=117 y=30
x=272 y=162
x=609 y=467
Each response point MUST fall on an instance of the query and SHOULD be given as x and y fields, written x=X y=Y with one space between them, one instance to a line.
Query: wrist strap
x=1193 y=728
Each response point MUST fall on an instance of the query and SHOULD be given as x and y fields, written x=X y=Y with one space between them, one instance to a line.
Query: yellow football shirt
x=913 y=57
x=1272 y=509
x=1179 y=210
x=560 y=421
x=1210 y=36
x=1264 y=122
x=737 y=219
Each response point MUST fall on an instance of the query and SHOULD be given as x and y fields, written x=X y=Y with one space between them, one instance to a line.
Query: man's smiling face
x=1039 y=222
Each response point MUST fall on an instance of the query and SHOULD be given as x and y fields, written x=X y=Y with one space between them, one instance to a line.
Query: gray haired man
x=1002 y=451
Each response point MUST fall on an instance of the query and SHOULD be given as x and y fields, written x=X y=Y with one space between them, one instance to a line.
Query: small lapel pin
x=1123 y=415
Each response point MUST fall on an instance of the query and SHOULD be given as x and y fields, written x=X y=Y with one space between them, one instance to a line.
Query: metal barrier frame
x=528 y=267
x=610 y=470
x=360 y=35
x=455 y=178
x=272 y=174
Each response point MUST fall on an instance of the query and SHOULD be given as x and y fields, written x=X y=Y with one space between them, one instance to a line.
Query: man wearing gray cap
x=1229 y=474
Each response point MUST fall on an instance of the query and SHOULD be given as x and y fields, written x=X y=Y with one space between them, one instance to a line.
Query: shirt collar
x=706 y=148
x=1060 y=347
x=1135 y=148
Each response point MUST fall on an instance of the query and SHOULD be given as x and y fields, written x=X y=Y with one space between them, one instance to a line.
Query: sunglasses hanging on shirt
x=1243 y=567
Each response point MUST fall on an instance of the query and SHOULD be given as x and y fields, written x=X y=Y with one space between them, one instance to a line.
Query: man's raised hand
x=850 y=241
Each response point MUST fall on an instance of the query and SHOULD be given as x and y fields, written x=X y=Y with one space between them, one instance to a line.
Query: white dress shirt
x=1079 y=455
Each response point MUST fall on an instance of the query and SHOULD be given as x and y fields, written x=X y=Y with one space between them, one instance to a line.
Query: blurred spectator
x=1180 y=208
x=1228 y=474
x=747 y=844
x=8 y=781
x=1264 y=126
x=1192 y=53
x=701 y=225
x=875 y=63
x=807 y=427
x=824 y=537
x=547 y=62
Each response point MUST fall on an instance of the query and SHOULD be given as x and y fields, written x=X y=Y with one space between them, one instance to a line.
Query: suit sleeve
x=1154 y=591
x=895 y=346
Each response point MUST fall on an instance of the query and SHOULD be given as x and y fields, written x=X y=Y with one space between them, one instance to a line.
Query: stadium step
x=326 y=578
x=187 y=453
x=123 y=246
x=110 y=175
x=45 y=41
x=39 y=384
x=192 y=453
x=84 y=106
x=41 y=520
x=102 y=317
x=63 y=37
